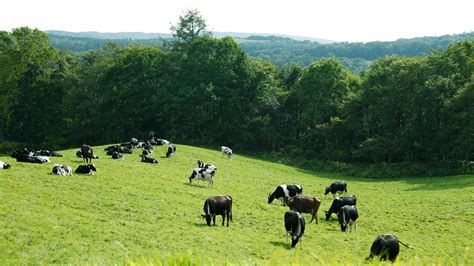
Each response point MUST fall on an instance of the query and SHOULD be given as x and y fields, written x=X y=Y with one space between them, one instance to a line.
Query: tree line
x=205 y=91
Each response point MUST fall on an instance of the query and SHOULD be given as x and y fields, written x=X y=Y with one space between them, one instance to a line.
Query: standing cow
x=348 y=215
x=387 y=247
x=336 y=187
x=338 y=203
x=294 y=224
x=226 y=151
x=218 y=205
x=203 y=174
x=284 y=191
x=171 y=150
x=87 y=153
x=305 y=204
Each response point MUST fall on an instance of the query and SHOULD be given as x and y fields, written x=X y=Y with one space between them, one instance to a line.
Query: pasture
x=130 y=211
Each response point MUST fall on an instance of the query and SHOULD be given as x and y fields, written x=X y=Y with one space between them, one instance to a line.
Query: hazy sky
x=339 y=20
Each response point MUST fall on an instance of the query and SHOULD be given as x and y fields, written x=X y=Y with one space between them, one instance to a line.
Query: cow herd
x=385 y=246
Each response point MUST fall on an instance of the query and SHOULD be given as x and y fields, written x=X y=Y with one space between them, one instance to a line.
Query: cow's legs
x=223 y=220
x=214 y=219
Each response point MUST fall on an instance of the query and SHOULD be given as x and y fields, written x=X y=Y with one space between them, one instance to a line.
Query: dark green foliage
x=208 y=91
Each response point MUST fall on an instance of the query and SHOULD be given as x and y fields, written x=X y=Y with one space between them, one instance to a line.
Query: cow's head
x=193 y=175
x=270 y=198
x=92 y=167
x=326 y=191
x=208 y=218
x=6 y=166
x=294 y=241
x=328 y=215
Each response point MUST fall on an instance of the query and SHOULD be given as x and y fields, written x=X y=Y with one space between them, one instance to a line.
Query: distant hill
x=280 y=50
x=147 y=36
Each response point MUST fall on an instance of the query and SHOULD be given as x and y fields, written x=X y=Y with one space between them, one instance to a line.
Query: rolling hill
x=135 y=212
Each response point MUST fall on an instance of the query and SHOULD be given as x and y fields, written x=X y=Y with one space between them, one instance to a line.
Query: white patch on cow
x=44 y=159
x=285 y=190
x=2 y=164
x=299 y=188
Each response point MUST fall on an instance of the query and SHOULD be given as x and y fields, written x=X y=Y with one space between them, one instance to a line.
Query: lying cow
x=305 y=204
x=161 y=142
x=201 y=164
x=87 y=153
x=171 y=150
x=29 y=158
x=127 y=150
x=284 y=191
x=226 y=151
x=4 y=165
x=203 y=174
x=63 y=170
x=115 y=148
x=336 y=187
x=338 y=203
x=387 y=247
x=294 y=224
x=117 y=155
x=146 y=159
x=348 y=215
x=218 y=205
x=47 y=153
x=86 y=169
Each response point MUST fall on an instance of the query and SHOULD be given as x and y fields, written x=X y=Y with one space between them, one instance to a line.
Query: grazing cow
x=218 y=205
x=117 y=155
x=226 y=151
x=86 y=169
x=305 y=204
x=171 y=150
x=63 y=170
x=29 y=158
x=336 y=187
x=146 y=159
x=4 y=165
x=337 y=204
x=87 y=153
x=348 y=215
x=201 y=164
x=294 y=224
x=79 y=154
x=387 y=247
x=283 y=191
x=203 y=174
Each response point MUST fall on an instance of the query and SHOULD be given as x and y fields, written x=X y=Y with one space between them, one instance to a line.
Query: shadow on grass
x=281 y=244
x=440 y=183
x=196 y=185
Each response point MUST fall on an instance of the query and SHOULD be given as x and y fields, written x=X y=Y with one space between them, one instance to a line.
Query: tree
x=190 y=26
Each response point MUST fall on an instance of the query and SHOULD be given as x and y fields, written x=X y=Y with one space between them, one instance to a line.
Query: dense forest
x=281 y=51
x=206 y=91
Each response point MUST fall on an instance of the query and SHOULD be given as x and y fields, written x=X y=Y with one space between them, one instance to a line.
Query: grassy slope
x=132 y=210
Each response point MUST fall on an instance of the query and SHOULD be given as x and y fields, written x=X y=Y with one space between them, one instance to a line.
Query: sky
x=337 y=20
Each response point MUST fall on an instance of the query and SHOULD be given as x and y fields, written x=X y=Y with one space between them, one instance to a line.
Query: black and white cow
x=115 y=148
x=338 y=203
x=348 y=215
x=336 y=187
x=201 y=164
x=218 y=205
x=387 y=247
x=86 y=169
x=203 y=174
x=294 y=224
x=117 y=155
x=4 y=165
x=148 y=146
x=63 y=170
x=146 y=159
x=47 y=153
x=79 y=154
x=26 y=158
x=161 y=142
x=134 y=142
x=171 y=150
x=87 y=153
x=283 y=191
x=226 y=151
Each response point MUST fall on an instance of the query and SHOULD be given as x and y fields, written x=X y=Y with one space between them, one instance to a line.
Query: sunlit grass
x=132 y=212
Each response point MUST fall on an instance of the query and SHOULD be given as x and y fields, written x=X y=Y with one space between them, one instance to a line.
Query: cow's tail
x=411 y=247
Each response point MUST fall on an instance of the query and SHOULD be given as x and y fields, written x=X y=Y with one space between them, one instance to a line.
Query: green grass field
x=135 y=212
